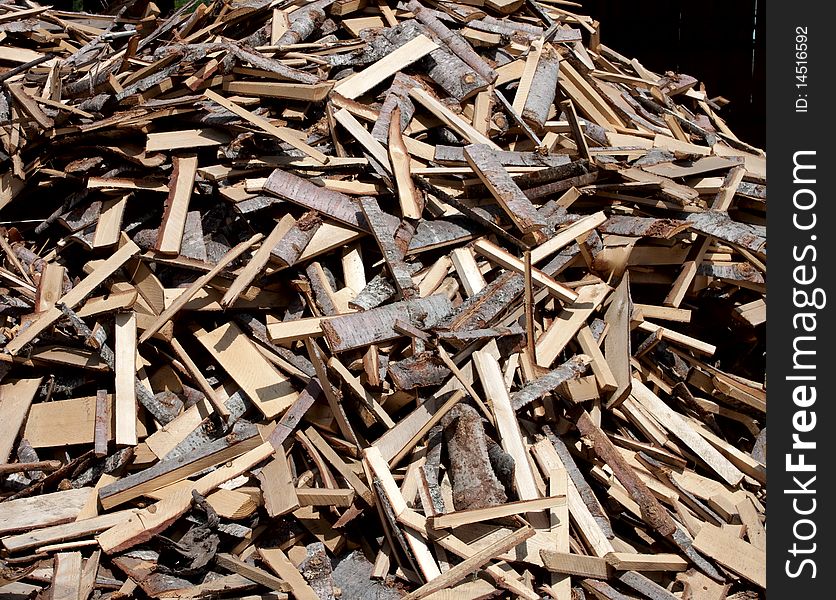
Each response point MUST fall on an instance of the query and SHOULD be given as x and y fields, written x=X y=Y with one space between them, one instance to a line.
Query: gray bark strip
x=455 y=42
x=719 y=225
x=376 y=292
x=643 y=226
x=740 y=272
x=393 y=238
x=543 y=89
x=424 y=369
x=571 y=369
x=454 y=155
x=435 y=234
x=302 y=27
x=376 y=325
x=327 y=202
x=397 y=95
x=490 y=170
x=293 y=243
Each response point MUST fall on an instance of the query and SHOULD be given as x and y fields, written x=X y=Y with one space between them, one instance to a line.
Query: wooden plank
x=274 y=89
x=496 y=254
x=109 y=224
x=733 y=553
x=27 y=514
x=277 y=487
x=360 y=83
x=270 y=391
x=63 y=532
x=617 y=351
x=634 y=561
x=15 y=399
x=284 y=134
x=73 y=298
x=575 y=564
x=170 y=236
x=475 y=515
x=281 y=566
x=125 y=361
x=66 y=576
x=64 y=422
x=185 y=139
x=552 y=342
x=456 y=123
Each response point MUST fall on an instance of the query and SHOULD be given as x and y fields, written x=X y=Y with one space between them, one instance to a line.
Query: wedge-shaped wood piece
x=501 y=257
x=634 y=561
x=66 y=576
x=576 y=564
x=346 y=332
x=65 y=532
x=27 y=514
x=510 y=197
x=360 y=83
x=15 y=399
x=277 y=487
x=392 y=237
x=270 y=391
x=410 y=199
x=281 y=566
x=74 y=297
x=110 y=221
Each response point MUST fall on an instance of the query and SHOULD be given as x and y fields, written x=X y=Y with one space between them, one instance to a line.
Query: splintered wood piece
x=412 y=204
x=564 y=237
x=576 y=564
x=496 y=254
x=603 y=375
x=180 y=187
x=126 y=407
x=197 y=375
x=277 y=487
x=393 y=238
x=510 y=197
x=468 y=270
x=631 y=561
x=189 y=293
x=733 y=553
x=452 y=120
x=270 y=391
x=617 y=351
x=236 y=565
x=526 y=80
x=552 y=342
x=286 y=135
x=360 y=83
x=72 y=298
x=256 y=264
x=27 y=514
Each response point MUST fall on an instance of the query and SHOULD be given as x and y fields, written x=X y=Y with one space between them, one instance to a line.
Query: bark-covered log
x=719 y=225
x=540 y=97
x=302 y=26
x=293 y=243
x=537 y=389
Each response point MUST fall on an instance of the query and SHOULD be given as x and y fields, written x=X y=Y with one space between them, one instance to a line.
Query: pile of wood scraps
x=373 y=299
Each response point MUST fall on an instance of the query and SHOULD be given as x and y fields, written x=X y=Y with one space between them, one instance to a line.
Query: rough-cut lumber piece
x=360 y=83
x=645 y=586
x=236 y=565
x=678 y=338
x=149 y=521
x=575 y=564
x=471 y=563
x=64 y=422
x=643 y=226
x=196 y=286
x=188 y=138
x=733 y=553
x=63 y=533
x=755 y=532
x=72 y=298
x=473 y=479
x=569 y=321
x=393 y=239
x=455 y=122
x=496 y=254
x=270 y=391
x=180 y=187
x=566 y=236
x=27 y=514
x=475 y=515
x=412 y=204
x=603 y=375
x=346 y=332
x=294 y=240
x=631 y=561
x=506 y=423
x=396 y=439
x=342 y=497
x=15 y=399
x=284 y=134
x=617 y=349
x=125 y=406
x=281 y=565
x=468 y=271
x=102 y=426
x=677 y=425
x=509 y=196
x=277 y=487
x=452 y=40
x=334 y=205
x=653 y=513
x=374 y=148
x=340 y=465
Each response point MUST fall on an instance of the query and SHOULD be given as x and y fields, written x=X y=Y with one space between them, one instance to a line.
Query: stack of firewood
x=372 y=299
